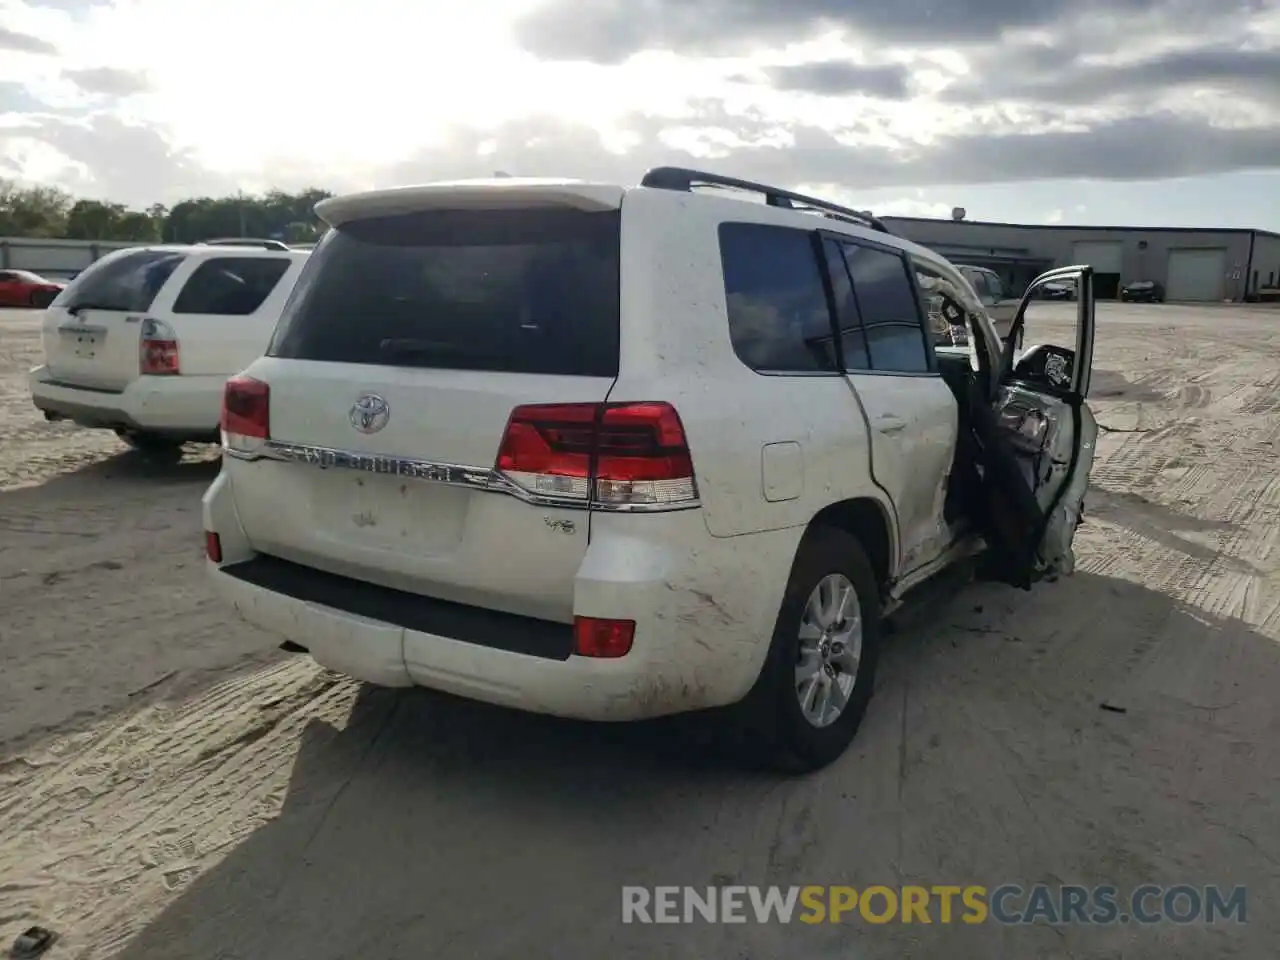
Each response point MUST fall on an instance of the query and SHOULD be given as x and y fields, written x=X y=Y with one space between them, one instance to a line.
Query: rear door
x=224 y=309
x=1038 y=439
x=408 y=342
x=911 y=413
x=90 y=333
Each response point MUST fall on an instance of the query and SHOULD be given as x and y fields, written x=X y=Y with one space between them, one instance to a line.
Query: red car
x=22 y=288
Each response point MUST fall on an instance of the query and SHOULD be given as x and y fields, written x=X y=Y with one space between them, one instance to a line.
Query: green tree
x=93 y=220
x=135 y=225
x=32 y=211
x=47 y=212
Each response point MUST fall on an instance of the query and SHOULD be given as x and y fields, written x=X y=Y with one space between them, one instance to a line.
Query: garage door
x=1105 y=256
x=1196 y=274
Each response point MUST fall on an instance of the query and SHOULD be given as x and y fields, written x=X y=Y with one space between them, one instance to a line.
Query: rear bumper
x=187 y=406
x=704 y=619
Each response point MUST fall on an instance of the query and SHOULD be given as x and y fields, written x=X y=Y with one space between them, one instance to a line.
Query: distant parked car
x=144 y=339
x=22 y=288
x=991 y=291
x=1142 y=291
x=1058 y=291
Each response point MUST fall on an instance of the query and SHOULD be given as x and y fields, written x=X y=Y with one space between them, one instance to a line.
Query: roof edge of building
x=888 y=218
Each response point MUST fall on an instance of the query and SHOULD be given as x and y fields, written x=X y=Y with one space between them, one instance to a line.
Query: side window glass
x=231 y=286
x=853 y=340
x=890 y=315
x=778 y=315
x=996 y=286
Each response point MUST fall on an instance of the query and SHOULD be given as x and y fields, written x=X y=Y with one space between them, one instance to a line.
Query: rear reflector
x=212 y=546
x=603 y=639
x=611 y=455
x=246 y=413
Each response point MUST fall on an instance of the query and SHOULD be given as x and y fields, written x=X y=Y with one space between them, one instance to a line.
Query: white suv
x=144 y=339
x=611 y=453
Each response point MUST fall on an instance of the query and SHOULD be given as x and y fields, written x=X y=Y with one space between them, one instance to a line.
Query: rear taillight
x=611 y=455
x=158 y=349
x=212 y=546
x=601 y=638
x=246 y=413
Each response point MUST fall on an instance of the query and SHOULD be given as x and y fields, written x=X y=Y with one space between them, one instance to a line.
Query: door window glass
x=853 y=339
x=891 y=319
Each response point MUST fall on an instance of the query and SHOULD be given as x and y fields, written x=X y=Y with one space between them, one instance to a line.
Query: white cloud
x=142 y=99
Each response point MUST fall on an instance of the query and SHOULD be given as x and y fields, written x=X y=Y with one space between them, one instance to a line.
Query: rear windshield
x=128 y=283
x=518 y=291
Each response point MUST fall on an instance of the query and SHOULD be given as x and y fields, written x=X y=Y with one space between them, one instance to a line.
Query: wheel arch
x=869 y=522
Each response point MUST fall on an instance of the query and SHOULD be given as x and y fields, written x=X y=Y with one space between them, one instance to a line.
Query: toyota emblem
x=370 y=413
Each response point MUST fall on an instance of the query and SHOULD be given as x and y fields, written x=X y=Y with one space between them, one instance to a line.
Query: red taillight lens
x=642 y=441
x=212 y=546
x=246 y=408
x=601 y=638
x=550 y=439
x=158 y=349
x=159 y=358
x=626 y=453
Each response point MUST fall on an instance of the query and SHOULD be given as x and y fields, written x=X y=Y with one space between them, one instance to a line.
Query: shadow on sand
x=127 y=470
x=433 y=827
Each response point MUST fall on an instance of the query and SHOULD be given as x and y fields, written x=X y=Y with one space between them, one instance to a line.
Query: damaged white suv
x=615 y=452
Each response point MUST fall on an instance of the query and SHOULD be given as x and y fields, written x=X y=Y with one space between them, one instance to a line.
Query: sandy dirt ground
x=173 y=787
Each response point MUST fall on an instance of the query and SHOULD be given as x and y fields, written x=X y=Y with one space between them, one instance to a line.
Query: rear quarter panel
x=676 y=347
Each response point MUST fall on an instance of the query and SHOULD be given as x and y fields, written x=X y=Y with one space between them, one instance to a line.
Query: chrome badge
x=370 y=413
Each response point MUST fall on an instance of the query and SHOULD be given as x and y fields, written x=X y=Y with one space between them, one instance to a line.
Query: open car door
x=1036 y=439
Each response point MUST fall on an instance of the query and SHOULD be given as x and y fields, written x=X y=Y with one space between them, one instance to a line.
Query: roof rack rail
x=245 y=242
x=684 y=180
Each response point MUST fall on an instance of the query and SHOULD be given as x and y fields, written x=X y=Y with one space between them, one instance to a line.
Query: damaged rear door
x=1037 y=438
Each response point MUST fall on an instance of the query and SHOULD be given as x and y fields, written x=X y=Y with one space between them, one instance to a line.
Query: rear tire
x=782 y=717
x=154 y=444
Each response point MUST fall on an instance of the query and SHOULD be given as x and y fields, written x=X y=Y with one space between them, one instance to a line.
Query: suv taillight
x=158 y=349
x=246 y=413
x=609 y=455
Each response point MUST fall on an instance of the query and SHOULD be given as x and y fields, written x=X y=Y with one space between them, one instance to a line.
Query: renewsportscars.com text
x=940 y=903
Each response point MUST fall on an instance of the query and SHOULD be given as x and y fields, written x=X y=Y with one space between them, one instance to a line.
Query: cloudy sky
x=1160 y=112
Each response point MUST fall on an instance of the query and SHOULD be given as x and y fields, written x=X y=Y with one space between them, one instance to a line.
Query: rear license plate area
x=393 y=512
x=84 y=341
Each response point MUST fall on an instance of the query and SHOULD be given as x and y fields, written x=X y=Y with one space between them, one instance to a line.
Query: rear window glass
x=128 y=283
x=517 y=291
x=231 y=286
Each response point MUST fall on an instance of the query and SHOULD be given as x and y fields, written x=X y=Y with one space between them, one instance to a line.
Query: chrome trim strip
x=451 y=474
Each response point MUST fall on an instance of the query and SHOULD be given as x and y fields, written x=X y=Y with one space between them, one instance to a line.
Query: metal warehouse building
x=1192 y=264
